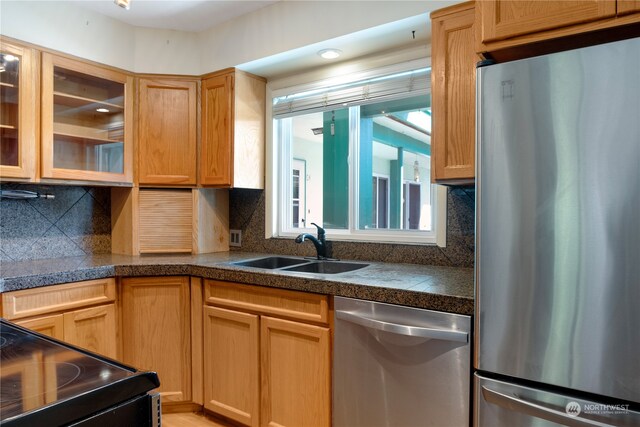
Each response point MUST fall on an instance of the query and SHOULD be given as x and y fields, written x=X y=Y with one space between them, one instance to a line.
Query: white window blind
x=359 y=92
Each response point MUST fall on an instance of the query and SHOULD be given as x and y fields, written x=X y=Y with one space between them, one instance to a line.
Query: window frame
x=276 y=187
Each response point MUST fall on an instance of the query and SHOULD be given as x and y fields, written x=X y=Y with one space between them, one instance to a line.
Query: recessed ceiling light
x=10 y=58
x=330 y=53
x=122 y=3
x=102 y=110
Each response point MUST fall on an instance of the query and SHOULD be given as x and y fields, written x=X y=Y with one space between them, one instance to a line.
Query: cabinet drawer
x=291 y=304
x=49 y=299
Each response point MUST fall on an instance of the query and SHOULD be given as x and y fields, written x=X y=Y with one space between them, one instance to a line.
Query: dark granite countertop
x=447 y=289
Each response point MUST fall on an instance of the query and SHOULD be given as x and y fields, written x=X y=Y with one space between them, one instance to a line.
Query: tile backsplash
x=76 y=222
x=247 y=213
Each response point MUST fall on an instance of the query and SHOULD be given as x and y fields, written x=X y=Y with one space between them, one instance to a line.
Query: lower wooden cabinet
x=260 y=370
x=296 y=370
x=57 y=311
x=231 y=369
x=156 y=319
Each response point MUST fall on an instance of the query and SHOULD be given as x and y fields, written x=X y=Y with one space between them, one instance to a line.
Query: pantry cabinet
x=167 y=131
x=86 y=121
x=233 y=130
x=83 y=313
x=505 y=24
x=18 y=111
x=453 y=72
x=156 y=336
x=266 y=355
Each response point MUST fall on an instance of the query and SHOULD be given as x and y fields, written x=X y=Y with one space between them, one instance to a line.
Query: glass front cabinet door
x=86 y=121
x=18 y=112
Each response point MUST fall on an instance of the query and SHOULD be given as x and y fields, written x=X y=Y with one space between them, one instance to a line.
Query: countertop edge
x=438 y=301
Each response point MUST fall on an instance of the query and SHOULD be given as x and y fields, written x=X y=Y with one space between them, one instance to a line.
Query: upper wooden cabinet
x=86 y=121
x=167 y=128
x=453 y=87
x=18 y=111
x=233 y=126
x=503 y=24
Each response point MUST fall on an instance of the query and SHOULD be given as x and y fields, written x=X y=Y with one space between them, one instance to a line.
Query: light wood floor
x=190 y=420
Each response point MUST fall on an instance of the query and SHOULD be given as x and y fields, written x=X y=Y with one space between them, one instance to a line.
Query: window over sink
x=353 y=154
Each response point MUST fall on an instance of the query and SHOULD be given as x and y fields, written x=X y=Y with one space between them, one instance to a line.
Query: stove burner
x=7 y=338
x=60 y=375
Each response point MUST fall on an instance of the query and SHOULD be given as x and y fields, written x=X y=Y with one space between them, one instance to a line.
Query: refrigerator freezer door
x=502 y=404
x=558 y=226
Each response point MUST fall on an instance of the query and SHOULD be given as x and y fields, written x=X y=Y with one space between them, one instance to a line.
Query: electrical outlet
x=235 y=237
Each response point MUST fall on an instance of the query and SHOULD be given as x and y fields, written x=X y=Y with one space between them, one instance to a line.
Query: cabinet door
x=453 y=95
x=502 y=19
x=295 y=369
x=18 y=112
x=231 y=361
x=51 y=326
x=167 y=132
x=216 y=156
x=93 y=329
x=628 y=6
x=156 y=331
x=86 y=121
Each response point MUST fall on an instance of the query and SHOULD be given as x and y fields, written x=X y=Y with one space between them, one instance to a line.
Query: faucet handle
x=320 y=230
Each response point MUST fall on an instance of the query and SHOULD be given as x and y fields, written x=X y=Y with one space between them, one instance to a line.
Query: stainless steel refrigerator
x=558 y=240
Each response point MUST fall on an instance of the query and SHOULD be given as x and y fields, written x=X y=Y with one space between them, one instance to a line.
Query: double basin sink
x=301 y=265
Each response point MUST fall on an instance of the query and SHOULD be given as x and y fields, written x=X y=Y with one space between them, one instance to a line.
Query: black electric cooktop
x=46 y=382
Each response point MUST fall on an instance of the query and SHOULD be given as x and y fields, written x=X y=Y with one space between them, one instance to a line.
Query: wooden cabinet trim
x=50 y=299
x=303 y=306
x=197 y=352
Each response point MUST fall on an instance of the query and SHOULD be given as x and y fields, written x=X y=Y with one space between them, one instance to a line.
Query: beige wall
x=274 y=29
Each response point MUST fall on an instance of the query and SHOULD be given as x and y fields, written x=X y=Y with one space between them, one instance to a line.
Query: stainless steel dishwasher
x=399 y=366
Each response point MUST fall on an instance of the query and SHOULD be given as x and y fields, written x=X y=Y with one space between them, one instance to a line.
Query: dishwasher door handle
x=411 y=331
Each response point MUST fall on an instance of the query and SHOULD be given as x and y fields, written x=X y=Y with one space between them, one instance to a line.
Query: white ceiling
x=184 y=15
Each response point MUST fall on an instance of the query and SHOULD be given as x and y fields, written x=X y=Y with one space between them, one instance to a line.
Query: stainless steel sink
x=301 y=265
x=327 y=267
x=271 y=262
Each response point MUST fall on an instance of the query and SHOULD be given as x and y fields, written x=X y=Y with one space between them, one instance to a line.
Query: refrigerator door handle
x=536 y=410
x=412 y=331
